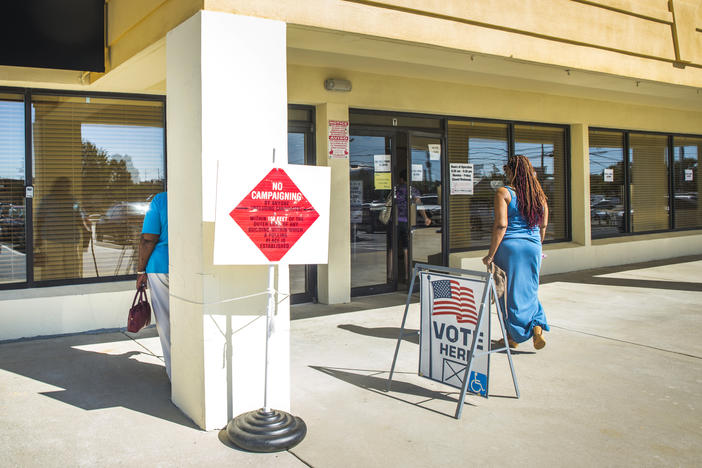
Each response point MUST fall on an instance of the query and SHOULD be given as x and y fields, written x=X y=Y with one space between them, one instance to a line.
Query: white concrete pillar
x=334 y=279
x=580 y=183
x=227 y=99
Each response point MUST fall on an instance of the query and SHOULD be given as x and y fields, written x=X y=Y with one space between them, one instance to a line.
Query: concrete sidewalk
x=618 y=384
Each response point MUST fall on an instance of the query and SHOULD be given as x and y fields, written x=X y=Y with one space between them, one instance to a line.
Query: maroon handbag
x=140 y=312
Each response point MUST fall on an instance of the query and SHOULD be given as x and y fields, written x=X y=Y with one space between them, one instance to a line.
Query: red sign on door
x=275 y=214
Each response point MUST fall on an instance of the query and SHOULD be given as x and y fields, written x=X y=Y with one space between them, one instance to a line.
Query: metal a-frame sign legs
x=448 y=280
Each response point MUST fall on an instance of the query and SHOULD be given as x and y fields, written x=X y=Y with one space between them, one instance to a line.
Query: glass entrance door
x=372 y=213
x=426 y=220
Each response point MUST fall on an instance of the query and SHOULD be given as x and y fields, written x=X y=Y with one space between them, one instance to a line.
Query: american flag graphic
x=450 y=298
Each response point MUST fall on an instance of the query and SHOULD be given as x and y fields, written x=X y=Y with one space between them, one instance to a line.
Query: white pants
x=158 y=284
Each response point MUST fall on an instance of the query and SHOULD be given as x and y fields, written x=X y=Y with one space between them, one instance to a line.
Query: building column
x=580 y=183
x=334 y=279
x=227 y=100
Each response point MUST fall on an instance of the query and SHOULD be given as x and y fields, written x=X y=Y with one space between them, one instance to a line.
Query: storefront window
x=648 y=167
x=545 y=148
x=686 y=159
x=12 y=196
x=486 y=146
x=97 y=163
x=607 y=185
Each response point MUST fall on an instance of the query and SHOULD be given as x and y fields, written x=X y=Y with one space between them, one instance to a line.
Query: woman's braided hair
x=530 y=196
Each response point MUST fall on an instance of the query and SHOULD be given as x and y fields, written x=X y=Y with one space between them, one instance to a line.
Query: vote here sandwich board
x=450 y=322
x=271 y=214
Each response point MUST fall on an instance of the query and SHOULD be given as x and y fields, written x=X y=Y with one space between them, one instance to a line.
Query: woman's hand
x=141 y=281
x=487 y=260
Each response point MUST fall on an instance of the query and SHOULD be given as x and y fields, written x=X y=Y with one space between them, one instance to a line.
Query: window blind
x=687 y=183
x=97 y=164
x=607 y=184
x=485 y=145
x=648 y=159
x=545 y=149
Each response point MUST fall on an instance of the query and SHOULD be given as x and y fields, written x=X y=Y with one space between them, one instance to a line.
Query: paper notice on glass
x=688 y=175
x=381 y=162
x=434 y=152
x=382 y=181
x=609 y=175
x=356 y=201
x=417 y=172
x=338 y=139
x=461 y=179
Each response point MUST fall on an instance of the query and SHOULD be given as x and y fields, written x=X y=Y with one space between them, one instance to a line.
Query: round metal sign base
x=266 y=431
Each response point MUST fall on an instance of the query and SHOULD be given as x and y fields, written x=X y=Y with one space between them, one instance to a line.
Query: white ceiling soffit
x=339 y=50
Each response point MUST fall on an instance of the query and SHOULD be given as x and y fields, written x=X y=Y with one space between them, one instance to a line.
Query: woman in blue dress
x=521 y=216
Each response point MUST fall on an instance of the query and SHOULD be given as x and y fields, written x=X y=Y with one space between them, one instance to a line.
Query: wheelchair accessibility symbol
x=478 y=383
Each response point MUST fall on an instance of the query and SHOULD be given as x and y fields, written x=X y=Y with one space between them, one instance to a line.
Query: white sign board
x=688 y=175
x=461 y=179
x=450 y=309
x=271 y=214
x=434 y=152
x=338 y=139
x=381 y=162
x=609 y=175
x=356 y=201
x=417 y=172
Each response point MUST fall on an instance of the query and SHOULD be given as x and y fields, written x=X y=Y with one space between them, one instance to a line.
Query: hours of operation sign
x=274 y=214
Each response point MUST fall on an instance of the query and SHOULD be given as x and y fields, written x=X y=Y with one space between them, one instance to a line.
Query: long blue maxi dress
x=519 y=255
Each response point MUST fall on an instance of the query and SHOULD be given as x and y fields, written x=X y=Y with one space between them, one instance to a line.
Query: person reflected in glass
x=403 y=217
x=521 y=217
x=61 y=225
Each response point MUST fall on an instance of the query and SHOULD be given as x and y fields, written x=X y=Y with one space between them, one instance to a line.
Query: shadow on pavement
x=514 y=352
x=379 y=385
x=93 y=380
x=595 y=276
x=411 y=335
x=377 y=301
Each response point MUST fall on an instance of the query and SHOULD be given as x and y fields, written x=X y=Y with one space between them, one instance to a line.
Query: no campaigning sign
x=275 y=214
x=283 y=218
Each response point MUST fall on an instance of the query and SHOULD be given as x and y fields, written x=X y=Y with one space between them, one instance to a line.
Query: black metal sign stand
x=489 y=293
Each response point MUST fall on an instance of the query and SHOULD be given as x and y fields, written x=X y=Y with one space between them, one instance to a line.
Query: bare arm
x=499 y=227
x=544 y=224
x=427 y=219
x=146 y=248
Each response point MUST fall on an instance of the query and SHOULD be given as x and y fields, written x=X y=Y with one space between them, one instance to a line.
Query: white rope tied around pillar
x=266 y=292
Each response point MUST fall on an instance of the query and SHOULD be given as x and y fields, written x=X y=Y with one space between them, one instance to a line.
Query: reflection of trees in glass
x=107 y=180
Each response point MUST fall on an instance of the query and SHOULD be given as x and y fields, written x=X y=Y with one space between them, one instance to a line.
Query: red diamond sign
x=275 y=214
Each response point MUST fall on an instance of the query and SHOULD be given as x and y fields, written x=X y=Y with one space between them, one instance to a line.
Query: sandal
x=538 y=338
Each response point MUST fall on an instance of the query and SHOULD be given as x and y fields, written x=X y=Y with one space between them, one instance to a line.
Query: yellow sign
x=383 y=181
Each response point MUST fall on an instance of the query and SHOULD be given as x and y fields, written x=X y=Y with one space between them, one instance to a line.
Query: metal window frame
x=28 y=94
x=626 y=133
x=308 y=128
x=511 y=143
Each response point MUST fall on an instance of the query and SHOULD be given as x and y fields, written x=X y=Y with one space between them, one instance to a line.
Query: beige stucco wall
x=402 y=94
x=635 y=38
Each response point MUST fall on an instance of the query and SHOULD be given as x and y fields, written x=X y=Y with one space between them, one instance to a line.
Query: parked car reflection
x=12 y=226
x=607 y=212
x=122 y=223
